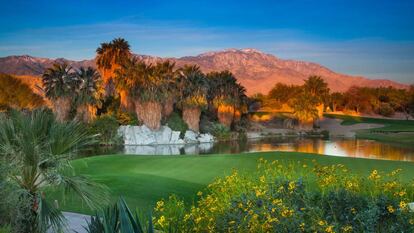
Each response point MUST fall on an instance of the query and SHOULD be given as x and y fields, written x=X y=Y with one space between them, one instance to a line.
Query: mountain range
x=255 y=70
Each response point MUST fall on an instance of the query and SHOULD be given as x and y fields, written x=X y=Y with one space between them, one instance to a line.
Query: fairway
x=143 y=180
x=399 y=132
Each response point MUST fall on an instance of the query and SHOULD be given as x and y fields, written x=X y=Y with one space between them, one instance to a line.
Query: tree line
x=310 y=100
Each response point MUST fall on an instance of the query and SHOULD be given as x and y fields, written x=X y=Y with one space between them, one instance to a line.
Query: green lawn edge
x=143 y=180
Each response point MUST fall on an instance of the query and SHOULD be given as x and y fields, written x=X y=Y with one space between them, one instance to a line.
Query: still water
x=357 y=148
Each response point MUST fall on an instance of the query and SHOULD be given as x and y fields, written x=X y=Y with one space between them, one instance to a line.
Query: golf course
x=144 y=180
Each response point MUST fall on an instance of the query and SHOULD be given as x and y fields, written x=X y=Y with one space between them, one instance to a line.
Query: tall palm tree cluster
x=67 y=88
x=154 y=91
x=151 y=91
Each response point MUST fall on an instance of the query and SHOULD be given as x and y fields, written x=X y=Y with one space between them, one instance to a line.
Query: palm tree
x=227 y=96
x=317 y=89
x=88 y=94
x=165 y=71
x=304 y=109
x=193 y=89
x=35 y=152
x=59 y=83
x=110 y=57
x=149 y=90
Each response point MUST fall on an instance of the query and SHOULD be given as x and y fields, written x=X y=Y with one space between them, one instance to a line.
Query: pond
x=357 y=148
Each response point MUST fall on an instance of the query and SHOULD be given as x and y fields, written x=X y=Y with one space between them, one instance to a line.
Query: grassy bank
x=143 y=180
x=393 y=131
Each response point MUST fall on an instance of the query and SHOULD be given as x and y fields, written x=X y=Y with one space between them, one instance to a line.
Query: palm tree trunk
x=149 y=113
x=127 y=104
x=168 y=107
x=225 y=114
x=191 y=116
x=85 y=113
x=61 y=108
x=320 y=109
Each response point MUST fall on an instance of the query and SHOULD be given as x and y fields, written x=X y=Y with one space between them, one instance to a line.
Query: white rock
x=163 y=136
x=202 y=138
x=175 y=136
x=190 y=137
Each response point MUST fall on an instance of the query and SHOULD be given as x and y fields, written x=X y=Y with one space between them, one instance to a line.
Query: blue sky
x=370 y=38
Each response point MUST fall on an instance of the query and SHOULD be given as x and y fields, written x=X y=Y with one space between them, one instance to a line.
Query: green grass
x=143 y=180
x=394 y=131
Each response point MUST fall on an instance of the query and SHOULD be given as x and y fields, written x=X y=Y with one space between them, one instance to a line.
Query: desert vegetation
x=14 y=94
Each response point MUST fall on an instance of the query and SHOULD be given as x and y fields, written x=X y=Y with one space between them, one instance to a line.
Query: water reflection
x=337 y=147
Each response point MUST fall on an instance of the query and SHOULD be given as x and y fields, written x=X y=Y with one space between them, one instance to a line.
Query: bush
x=5 y=229
x=221 y=132
x=107 y=128
x=127 y=118
x=386 y=110
x=295 y=197
x=176 y=123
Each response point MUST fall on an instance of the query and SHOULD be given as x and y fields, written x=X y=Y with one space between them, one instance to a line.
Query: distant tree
x=16 y=94
x=110 y=57
x=227 y=96
x=410 y=102
x=193 y=87
x=60 y=83
x=304 y=109
x=317 y=88
x=336 y=99
x=284 y=93
x=88 y=93
x=358 y=99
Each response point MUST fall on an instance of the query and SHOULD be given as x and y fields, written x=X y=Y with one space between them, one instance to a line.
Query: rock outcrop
x=142 y=135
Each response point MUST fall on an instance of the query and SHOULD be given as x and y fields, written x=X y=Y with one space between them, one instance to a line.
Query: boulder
x=190 y=137
x=205 y=137
x=175 y=137
x=142 y=135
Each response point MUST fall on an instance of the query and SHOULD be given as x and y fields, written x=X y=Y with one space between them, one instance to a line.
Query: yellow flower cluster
x=265 y=205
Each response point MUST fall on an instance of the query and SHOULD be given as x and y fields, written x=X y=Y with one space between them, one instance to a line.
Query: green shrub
x=118 y=218
x=176 y=123
x=106 y=127
x=386 y=110
x=221 y=132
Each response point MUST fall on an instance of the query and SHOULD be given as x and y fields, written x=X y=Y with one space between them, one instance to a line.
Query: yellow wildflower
x=302 y=226
x=329 y=229
x=160 y=206
x=262 y=179
x=321 y=223
x=403 y=205
x=390 y=209
x=347 y=228
x=161 y=221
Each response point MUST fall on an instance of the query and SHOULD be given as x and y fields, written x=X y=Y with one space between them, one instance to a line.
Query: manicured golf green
x=394 y=131
x=143 y=180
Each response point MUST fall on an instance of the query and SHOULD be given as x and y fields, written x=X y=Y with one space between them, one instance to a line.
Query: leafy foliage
x=193 y=87
x=118 y=219
x=59 y=81
x=89 y=88
x=15 y=94
x=176 y=123
x=106 y=128
x=35 y=151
